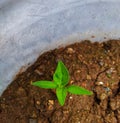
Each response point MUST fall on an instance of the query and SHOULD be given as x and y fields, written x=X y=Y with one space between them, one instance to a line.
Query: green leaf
x=61 y=75
x=45 y=84
x=78 y=90
x=61 y=95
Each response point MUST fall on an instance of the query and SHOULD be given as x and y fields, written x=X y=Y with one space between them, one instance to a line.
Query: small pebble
x=70 y=50
x=65 y=112
x=70 y=97
x=103 y=96
x=113 y=62
x=71 y=82
x=88 y=77
x=101 y=63
x=50 y=104
x=99 y=83
x=80 y=57
x=107 y=89
x=38 y=102
x=78 y=71
x=110 y=71
x=77 y=75
x=78 y=111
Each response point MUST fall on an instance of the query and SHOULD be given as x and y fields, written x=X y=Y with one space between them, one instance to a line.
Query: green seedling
x=60 y=83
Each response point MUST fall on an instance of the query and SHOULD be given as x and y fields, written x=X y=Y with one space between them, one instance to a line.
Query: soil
x=94 y=66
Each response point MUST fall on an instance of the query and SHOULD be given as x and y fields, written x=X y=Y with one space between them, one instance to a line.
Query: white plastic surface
x=30 y=27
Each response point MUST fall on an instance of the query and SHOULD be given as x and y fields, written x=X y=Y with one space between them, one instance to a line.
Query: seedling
x=60 y=83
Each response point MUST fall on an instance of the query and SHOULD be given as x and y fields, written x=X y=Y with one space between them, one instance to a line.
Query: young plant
x=60 y=83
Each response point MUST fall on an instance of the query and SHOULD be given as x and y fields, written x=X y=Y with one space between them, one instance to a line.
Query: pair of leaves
x=62 y=92
x=60 y=80
x=61 y=75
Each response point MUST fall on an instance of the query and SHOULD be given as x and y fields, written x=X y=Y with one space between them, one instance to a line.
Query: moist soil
x=94 y=66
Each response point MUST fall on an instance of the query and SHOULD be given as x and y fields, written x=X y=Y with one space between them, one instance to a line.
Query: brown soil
x=95 y=66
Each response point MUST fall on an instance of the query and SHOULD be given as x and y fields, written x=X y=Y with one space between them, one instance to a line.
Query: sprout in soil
x=60 y=83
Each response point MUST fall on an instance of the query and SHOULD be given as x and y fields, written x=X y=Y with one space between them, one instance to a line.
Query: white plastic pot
x=30 y=27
